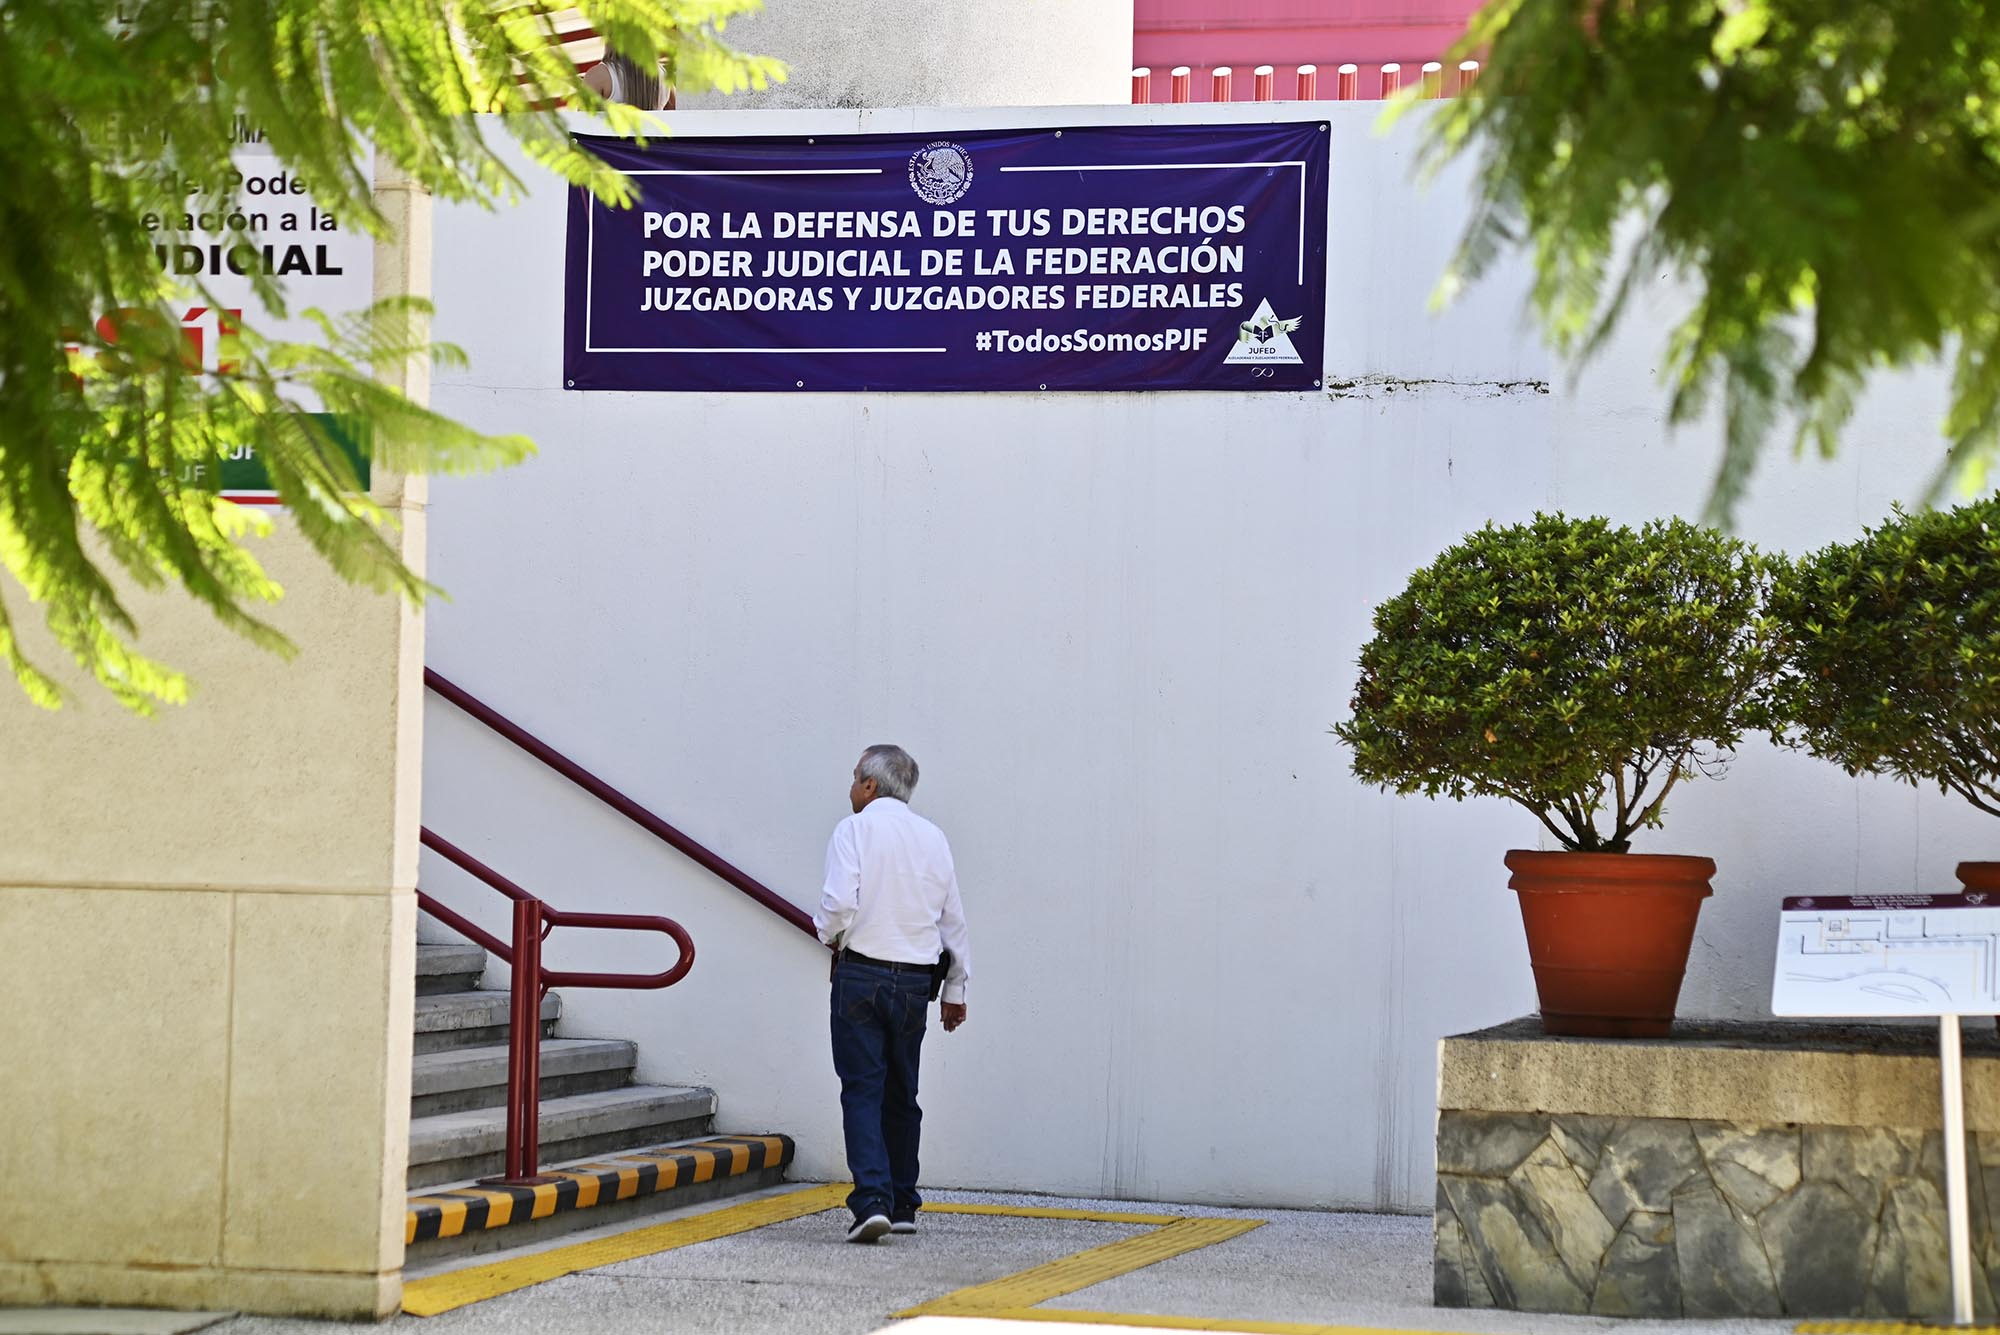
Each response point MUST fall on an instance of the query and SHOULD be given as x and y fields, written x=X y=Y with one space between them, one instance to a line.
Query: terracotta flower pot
x=1608 y=934
x=1980 y=876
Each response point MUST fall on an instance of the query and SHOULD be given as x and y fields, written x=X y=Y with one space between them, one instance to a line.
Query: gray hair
x=892 y=768
x=637 y=85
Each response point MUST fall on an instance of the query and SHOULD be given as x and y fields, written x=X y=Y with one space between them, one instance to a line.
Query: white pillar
x=208 y=932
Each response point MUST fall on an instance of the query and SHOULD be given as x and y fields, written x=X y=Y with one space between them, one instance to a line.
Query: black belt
x=896 y=966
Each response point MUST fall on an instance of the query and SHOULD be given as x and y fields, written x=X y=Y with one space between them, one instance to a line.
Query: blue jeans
x=878 y=1032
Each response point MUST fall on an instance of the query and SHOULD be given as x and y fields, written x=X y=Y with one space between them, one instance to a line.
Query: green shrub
x=1576 y=667
x=1890 y=652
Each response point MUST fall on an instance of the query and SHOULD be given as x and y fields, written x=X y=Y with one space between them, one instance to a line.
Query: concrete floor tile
x=102 y=1321
x=800 y=1277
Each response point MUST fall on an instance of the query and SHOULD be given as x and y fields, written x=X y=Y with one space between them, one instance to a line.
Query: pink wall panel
x=1288 y=33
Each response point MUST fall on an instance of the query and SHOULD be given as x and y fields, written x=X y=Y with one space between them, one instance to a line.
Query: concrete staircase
x=590 y=1108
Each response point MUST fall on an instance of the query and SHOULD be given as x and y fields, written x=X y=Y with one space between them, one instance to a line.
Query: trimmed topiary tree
x=1890 y=652
x=1576 y=667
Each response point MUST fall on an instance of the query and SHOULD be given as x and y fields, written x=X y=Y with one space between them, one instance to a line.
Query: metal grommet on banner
x=1058 y=134
x=1044 y=386
x=802 y=384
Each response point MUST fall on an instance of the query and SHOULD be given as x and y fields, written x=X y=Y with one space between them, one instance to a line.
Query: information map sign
x=1091 y=258
x=1888 y=955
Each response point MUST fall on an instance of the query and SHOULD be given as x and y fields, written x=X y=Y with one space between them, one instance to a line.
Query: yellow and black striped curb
x=447 y=1214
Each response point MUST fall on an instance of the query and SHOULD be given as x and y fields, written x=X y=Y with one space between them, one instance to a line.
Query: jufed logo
x=1265 y=340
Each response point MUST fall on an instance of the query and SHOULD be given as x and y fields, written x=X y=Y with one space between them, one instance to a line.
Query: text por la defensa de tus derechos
x=1101 y=258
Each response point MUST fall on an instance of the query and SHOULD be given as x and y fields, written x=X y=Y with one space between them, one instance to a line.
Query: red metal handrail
x=533 y=921
x=620 y=803
x=554 y=917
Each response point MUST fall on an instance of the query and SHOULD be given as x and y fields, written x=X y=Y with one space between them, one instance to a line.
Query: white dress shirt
x=891 y=892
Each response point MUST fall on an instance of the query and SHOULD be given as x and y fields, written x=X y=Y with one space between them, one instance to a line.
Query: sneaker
x=903 y=1226
x=869 y=1229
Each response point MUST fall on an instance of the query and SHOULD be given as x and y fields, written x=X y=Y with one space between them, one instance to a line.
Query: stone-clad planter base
x=1735 y=1170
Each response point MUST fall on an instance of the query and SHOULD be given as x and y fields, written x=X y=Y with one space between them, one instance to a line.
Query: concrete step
x=455 y=1220
x=459 y=1079
x=453 y=966
x=460 y=1146
x=470 y=1019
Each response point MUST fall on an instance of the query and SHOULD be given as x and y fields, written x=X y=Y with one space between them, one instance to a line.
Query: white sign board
x=1888 y=955
x=269 y=226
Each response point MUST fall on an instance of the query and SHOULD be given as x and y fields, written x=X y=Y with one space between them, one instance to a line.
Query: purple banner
x=1892 y=903
x=1093 y=258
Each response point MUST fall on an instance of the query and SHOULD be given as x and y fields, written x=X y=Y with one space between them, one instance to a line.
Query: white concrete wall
x=937 y=53
x=1114 y=631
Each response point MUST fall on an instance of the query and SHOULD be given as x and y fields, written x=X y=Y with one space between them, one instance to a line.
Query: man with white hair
x=890 y=910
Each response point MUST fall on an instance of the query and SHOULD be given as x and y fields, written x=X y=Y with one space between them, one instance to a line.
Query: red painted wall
x=1244 y=34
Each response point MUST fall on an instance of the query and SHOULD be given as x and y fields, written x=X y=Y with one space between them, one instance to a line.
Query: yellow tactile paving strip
x=1057 y=1212
x=1171 y=1236
x=1070 y=1273
x=443 y=1293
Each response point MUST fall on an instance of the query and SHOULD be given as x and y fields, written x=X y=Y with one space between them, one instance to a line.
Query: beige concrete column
x=207 y=926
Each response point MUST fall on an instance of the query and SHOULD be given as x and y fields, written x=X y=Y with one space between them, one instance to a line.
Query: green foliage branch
x=1578 y=668
x=1821 y=175
x=1890 y=652
x=109 y=436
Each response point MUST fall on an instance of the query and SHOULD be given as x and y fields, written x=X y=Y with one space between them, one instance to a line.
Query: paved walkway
x=1297 y=1271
